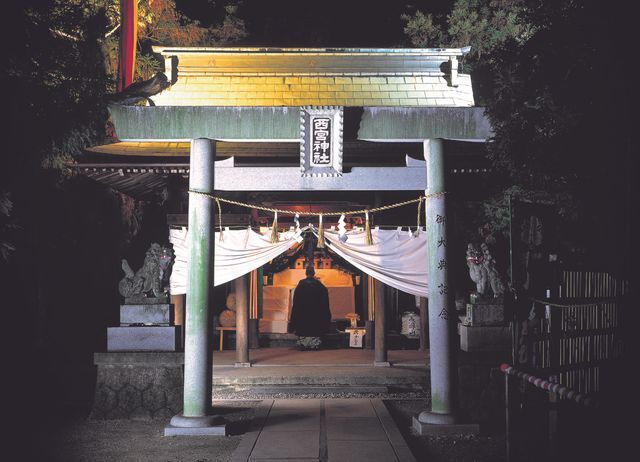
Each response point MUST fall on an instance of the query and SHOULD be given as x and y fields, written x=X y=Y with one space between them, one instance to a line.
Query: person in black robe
x=310 y=313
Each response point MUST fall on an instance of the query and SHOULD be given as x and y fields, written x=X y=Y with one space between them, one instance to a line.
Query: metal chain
x=292 y=212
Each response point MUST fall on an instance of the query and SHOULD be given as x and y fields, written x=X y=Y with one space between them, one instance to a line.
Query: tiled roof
x=314 y=77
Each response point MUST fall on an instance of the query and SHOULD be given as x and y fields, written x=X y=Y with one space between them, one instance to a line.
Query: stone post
x=380 y=327
x=242 y=321
x=197 y=417
x=442 y=319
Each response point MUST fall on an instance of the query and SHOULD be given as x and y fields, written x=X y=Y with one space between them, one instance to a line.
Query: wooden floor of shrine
x=291 y=356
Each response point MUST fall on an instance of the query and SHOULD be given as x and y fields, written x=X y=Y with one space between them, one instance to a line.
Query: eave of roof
x=172 y=50
x=357 y=77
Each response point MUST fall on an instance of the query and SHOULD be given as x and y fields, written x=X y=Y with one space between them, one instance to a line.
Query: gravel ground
x=76 y=439
x=467 y=448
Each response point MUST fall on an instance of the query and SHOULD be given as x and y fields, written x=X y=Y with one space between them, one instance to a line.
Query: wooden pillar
x=424 y=325
x=254 y=316
x=369 y=322
x=242 y=321
x=380 y=327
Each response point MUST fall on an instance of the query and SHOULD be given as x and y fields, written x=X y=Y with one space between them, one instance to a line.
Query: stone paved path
x=340 y=430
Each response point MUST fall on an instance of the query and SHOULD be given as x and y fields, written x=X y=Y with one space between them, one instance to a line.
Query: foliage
x=62 y=235
x=232 y=28
x=159 y=23
x=146 y=66
x=483 y=24
x=542 y=70
x=423 y=31
x=70 y=61
x=557 y=119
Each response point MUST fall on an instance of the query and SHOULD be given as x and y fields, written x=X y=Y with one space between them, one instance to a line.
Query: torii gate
x=203 y=125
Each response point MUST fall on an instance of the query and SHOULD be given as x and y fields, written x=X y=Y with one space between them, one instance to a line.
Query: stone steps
x=322 y=382
x=323 y=389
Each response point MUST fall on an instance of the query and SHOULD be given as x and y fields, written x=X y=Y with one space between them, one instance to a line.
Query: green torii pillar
x=197 y=417
x=441 y=315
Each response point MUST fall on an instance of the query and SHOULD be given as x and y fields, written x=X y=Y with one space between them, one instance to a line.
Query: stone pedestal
x=484 y=314
x=182 y=425
x=146 y=300
x=145 y=325
x=144 y=338
x=138 y=385
x=484 y=328
x=484 y=338
x=159 y=314
x=445 y=429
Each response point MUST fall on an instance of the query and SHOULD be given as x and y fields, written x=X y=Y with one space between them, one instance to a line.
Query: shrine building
x=314 y=131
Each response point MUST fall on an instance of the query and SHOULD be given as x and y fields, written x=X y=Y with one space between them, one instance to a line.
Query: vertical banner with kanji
x=128 y=42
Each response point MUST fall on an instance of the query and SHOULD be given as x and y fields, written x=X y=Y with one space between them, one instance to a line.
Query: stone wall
x=138 y=385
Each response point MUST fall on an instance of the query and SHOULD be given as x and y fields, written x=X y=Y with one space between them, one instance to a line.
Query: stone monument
x=146 y=317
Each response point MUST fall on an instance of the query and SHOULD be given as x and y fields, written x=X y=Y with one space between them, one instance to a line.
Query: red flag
x=128 y=42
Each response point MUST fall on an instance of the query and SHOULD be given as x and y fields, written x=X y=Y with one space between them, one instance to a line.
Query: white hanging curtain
x=240 y=252
x=396 y=257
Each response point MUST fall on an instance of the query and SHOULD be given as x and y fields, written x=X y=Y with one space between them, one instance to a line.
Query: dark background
x=59 y=289
x=330 y=23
